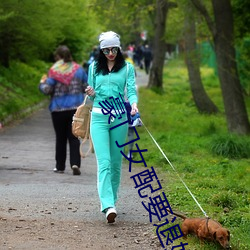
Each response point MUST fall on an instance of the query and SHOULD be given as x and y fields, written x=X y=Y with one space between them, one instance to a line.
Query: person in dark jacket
x=147 y=54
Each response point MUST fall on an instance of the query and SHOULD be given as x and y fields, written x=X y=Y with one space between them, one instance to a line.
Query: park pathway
x=40 y=209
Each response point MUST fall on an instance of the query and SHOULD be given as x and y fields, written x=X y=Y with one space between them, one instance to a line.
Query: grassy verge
x=212 y=163
x=19 y=88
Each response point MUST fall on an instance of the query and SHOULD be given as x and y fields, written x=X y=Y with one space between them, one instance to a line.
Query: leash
x=207 y=224
x=175 y=170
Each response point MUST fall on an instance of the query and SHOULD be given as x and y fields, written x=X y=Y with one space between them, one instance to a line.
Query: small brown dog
x=205 y=229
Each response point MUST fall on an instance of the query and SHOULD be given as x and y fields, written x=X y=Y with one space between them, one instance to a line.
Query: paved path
x=141 y=78
x=30 y=192
x=26 y=163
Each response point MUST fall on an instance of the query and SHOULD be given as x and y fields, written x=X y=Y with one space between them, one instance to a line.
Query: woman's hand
x=90 y=91
x=134 y=109
x=43 y=79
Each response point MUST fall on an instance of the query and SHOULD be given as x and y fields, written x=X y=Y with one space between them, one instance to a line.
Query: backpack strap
x=87 y=137
x=84 y=140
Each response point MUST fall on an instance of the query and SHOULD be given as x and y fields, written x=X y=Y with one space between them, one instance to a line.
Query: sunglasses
x=106 y=51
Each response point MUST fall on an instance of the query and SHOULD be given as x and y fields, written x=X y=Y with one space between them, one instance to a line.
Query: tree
x=23 y=33
x=201 y=99
x=159 y=44
x=223 y=38
x=128 y=18
x=242 y=33
x=241 y=17
x=28 y=33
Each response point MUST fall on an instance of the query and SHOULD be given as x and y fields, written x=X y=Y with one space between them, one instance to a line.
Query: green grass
x=214 y=164
x=19 y=87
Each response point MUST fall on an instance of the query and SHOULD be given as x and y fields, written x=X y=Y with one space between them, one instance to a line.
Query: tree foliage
x=126 y=17
x=33 y=29
x=242 y=35
x=241 y=18
x=28 y=33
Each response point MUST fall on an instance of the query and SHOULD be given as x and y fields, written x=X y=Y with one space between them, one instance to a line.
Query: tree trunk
x=201 y=99
x=223 y=38
x=233 y=97
x=159 y=46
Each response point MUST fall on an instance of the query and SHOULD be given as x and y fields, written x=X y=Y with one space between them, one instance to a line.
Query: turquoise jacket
x=113 y=84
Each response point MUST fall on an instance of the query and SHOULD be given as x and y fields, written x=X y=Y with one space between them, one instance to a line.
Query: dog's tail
x=177 y=214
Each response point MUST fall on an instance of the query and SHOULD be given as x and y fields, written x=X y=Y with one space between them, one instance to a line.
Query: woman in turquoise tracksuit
x=108 y=77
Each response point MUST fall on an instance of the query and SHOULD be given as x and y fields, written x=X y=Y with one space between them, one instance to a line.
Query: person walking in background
x=128 y=59
x=147 y=54
x=138 y=52
x=65 y=84
x=108 y=78
x=92 y=57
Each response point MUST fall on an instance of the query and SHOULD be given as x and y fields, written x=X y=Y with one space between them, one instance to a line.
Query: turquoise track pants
x=108 y=156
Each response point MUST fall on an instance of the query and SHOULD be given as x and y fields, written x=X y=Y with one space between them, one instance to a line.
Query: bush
x=19 y=88
x=231 y=146
x=224 y=200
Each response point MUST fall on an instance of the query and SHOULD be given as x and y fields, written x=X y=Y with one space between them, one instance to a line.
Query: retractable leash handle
x=174 y=170
x=135 y=120
x=136 y=116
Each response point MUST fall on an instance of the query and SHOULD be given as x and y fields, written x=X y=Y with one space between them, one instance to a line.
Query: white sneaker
x=128 y=155
x=76 y=170
x=58 y=171
x=111 y=214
